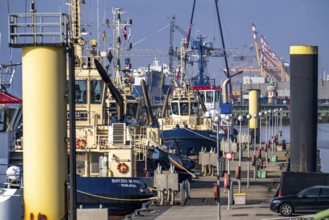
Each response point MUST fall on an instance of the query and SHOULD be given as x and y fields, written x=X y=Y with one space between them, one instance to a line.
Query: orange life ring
x=81 y=143
x=122 y=168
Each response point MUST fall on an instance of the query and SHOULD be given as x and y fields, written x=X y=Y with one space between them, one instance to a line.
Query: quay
x=202 y=205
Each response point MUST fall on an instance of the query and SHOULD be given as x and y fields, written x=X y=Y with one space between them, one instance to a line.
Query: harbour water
x=322 y=140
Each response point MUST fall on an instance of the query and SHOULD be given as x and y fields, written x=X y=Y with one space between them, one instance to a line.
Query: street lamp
x=280 y=126
x=248 y=117
x=266 y=137
x=255 y=117
x=228 y=119
x=217 y=121
x=274 y=125
x=240 y=118
x=260 y=114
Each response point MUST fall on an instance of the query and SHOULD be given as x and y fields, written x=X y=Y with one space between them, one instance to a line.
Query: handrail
x=38 y=29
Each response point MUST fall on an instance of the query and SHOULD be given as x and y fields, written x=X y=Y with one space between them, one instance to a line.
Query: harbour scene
x=132 y=110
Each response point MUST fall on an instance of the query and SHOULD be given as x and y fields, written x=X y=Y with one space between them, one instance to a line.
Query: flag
x=125 y=32
x=129 y=34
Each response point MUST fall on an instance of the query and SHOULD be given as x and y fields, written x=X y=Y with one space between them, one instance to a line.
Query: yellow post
x=45 y=153
x=253 y=107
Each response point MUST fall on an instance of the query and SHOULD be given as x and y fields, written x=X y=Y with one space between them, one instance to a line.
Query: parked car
x=312 y=199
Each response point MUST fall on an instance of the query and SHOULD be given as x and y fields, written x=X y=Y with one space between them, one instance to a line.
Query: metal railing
x=38 y=29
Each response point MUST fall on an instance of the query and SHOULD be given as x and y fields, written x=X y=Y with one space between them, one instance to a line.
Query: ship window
x=217 y=94
x=130 y=97
x=113 y=108
x=79 y=115
x=80 y=92
x=131 y=111
x=184 y=108
x=174 y=108
x=2 y=119
x=194 y=108
x=209 y=96
x=96 y=88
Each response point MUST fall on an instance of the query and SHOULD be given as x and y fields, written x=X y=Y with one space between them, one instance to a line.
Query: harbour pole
x=217 y=120
x=255 y=135
x=240 y=118
x=73 y=193
x=248 y=139
x=260 y=114
x=228 y=118
x=266 y=137
x=303 y=111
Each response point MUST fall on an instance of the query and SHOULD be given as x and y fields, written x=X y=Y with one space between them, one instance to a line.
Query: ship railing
x=140 y=148
x=38 y=29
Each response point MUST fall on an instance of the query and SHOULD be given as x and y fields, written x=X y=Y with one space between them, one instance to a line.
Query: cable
x=151 y=35
x=116 y=199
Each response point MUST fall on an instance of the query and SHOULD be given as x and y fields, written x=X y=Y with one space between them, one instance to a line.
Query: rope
x=116 y=199
x=151 y=35
x=200 y=135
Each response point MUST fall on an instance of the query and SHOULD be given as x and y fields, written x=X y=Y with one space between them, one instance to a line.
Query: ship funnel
x=224 y=90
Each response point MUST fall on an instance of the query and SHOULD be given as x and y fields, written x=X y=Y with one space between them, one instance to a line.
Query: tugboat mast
x=117 y=27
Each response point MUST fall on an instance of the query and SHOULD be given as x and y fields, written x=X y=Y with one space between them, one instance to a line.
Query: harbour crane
x=268 y=64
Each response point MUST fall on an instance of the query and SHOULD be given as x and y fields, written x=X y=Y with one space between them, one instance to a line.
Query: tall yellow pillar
x=44 y=129
x=253 y=107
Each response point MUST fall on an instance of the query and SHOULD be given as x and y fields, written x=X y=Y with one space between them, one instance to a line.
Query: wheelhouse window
x=217 y=95
x=184 y=108
x=174 y=108
x=194 y=108
x=131 y=111
x=113 y=108
x=2 y=119
x=96 y=88
x=202 y=95
x=80 y=92
x=209 y=96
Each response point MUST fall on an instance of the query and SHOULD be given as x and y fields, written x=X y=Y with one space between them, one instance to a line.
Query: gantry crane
x=269 y=64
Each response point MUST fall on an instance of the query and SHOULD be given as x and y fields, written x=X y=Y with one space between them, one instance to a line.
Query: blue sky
x=283 y=23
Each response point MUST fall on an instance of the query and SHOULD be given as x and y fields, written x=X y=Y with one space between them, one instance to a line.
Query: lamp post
x=217 y=120
x=271 y=132
x=266 y=142
x=260 y=114
x=255 y=117
x=240 y=118
x=228 y=118
x=274 y=124
x=248 y=117
x=280 y=125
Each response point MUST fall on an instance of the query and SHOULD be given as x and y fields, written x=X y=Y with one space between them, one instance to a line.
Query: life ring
x=122 y=168
x=81 y=143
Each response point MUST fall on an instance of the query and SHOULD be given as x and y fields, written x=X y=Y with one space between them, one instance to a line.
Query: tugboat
x=106 y=133
x=186 y=128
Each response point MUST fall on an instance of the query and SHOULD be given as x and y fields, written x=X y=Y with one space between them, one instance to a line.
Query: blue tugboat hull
x=120 y=195
x=189 y=142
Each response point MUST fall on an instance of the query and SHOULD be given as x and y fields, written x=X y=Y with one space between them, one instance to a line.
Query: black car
x=312 y=199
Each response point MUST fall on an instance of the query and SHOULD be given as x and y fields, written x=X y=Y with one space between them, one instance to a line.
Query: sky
x=283 y=23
